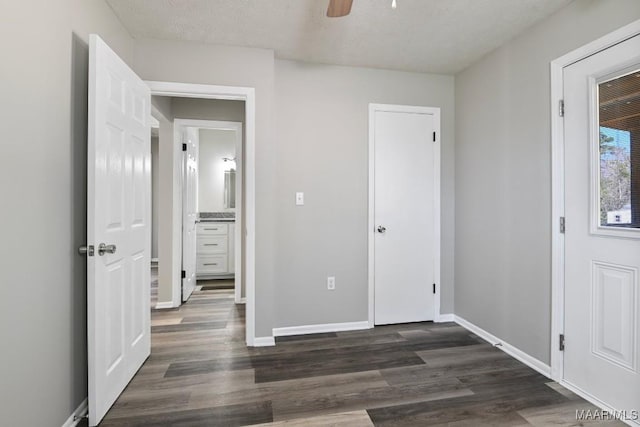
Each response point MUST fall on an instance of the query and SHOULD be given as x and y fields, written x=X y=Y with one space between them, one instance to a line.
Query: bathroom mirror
x=230 y=189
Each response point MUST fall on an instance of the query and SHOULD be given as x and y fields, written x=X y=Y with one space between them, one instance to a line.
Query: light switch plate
x=299 y=198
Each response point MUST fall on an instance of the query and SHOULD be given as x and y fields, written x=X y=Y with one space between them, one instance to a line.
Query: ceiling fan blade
x=338 y=8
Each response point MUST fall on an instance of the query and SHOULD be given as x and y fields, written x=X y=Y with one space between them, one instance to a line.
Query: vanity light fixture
x=394 y=4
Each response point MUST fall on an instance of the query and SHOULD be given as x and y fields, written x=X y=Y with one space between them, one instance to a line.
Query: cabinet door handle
x=211 y=244
x=211 y=263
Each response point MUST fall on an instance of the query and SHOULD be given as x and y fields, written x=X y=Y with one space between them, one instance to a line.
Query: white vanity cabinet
x=215 y=248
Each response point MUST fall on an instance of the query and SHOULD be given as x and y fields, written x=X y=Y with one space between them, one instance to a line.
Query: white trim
x=263 y=342
x=154 y=260
x=81 y=411
x=557 y=181
x=248 y=95
x=243 y=300
x=371 y=203
x=322 y=328
x=449 y=317
x=164 y=305
x=515 y=352
x=595 y=401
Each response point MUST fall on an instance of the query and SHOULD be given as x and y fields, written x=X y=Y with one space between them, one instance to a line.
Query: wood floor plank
x=306 y=337
x=563 y=414
x=235 y=415
x=340 y=419
x=311 y=389
x=191 y=326
x=330 y=362
x=371 y=397
x=477 y=405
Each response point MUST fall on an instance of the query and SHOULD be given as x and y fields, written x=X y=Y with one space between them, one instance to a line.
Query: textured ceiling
x=439 y=36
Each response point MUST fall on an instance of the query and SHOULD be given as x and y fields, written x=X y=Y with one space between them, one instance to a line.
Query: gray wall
x=43 y=81
x=322 y=127
x=208 y=109
x=503 y=175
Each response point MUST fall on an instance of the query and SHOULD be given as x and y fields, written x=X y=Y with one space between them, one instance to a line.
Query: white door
x=405 y=221
x=118 y=227
x=190 y=211
x=602 y=237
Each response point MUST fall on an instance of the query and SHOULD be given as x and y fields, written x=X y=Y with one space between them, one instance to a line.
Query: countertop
x=217 y=217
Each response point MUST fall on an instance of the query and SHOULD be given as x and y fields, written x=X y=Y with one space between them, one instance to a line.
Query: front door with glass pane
x=602 y=238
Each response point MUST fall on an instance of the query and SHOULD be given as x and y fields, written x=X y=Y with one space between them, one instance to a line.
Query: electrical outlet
x=331 y=283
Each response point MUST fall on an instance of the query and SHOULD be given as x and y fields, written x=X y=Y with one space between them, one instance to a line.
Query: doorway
x=210 y=92
x=404 y=214
x=596 y=319
x=212 y=171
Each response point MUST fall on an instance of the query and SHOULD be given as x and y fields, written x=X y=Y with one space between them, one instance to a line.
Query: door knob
x=86 y=250
x=106 y=249
x=381 y=229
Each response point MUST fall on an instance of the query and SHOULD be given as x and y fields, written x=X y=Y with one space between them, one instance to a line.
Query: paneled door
x=602 y=237
x=190 y=210
x=405 y=229
x=118 y=227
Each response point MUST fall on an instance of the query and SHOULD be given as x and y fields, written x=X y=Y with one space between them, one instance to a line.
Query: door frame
x=558 y=194
x=248 y=95
x=435 y=111
x=178 y=126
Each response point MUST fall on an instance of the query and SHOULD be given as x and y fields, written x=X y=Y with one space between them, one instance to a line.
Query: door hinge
x=434 y=137
x=184 y=274
x=562 y=224
x=561 y=108
x=561 y=342
x=434 y=288
x=184 y=147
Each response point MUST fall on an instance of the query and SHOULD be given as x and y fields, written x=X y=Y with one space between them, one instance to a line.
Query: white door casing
x=190 y=210
x=119 y=214
x=601 y=265
x=404 y=214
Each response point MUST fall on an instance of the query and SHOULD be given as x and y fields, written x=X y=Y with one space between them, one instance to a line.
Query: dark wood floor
x=200 y=373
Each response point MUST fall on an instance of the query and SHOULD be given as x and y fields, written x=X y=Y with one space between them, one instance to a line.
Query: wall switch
x=299 y=198
x=331 y=283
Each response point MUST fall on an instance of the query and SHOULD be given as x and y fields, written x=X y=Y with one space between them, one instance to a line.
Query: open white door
x=118 y=227
x=190 y=210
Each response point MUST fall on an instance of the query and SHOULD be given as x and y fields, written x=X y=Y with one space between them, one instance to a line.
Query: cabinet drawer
x=211 y=244
x=213 y=228
x=211 y=264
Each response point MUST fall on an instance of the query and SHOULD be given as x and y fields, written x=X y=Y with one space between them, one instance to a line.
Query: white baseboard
x=80 y=411
x=515 y=352
x=242 y=301
x=263 y=342
x=318 y=329
x=164 y=305
x=449 y=317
